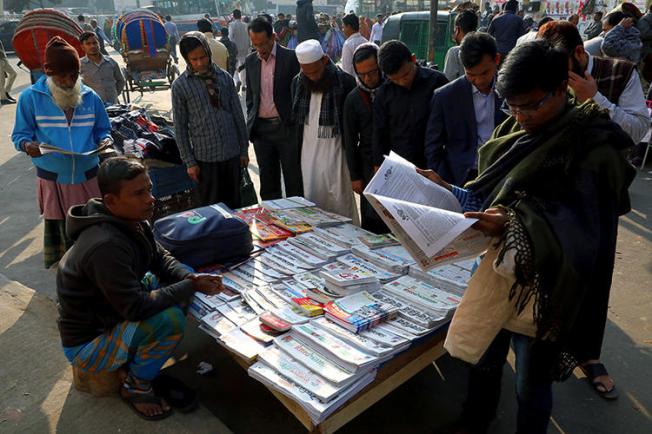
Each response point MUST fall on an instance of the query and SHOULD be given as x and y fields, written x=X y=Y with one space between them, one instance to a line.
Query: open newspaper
x=48 y=149
x=426 y=218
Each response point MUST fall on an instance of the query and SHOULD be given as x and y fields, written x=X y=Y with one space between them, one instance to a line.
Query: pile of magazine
x=359 y=312
x=343 y=279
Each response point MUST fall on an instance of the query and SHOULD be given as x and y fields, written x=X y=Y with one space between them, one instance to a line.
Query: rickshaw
x=35 y=30
x=145 y=49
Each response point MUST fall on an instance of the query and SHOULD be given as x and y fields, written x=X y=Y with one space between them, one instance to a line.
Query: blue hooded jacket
x=39 y=119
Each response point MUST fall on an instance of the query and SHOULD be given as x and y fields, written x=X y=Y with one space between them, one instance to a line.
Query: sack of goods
x=205 y=235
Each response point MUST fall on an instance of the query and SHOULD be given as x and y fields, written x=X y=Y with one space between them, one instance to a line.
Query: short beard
x=65 y=98
x=322 y=85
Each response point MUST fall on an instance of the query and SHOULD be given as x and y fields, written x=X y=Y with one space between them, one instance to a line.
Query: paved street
x=36 y=394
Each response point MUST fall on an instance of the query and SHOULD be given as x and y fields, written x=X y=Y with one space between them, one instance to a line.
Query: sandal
x=592 y=372
x=175 y=393
x=132 y=398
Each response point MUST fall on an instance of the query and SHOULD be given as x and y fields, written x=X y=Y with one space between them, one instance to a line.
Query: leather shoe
x=7 y=101
x=11 y=98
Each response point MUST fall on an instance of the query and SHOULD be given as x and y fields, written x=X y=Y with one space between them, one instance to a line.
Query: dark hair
x=114 y=171
x=281 y=14
x=543 y=21
x=602 y=13
x=260 y=25
x=168 y=18
x=267 y=17
x=365 y=52
x=237 y=13
x=86 y=35
x=224 y=31
x=530 y=66
x=352 y=20
x=204 y=25
x=392 y=55
x=207 y=16
x=93 y=23
x=613 y=18
x=467 y=21
x=511 y=5
x=475 y=46
x=563 y=35
x=80 y=18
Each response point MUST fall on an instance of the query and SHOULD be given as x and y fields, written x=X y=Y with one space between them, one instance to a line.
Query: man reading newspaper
x=551 y=186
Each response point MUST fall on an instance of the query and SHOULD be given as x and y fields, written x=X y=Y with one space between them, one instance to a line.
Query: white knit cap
x=309 y=51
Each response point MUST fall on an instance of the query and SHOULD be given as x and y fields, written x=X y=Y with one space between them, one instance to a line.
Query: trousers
x=533 y=388
x=276 y=149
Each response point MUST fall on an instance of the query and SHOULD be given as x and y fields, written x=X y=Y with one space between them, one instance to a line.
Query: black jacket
x=286 y=68
x=401 y=116
x=358 y=134
x=452 y=136
x=99 y=278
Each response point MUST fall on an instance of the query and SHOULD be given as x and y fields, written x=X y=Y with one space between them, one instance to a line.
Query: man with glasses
x=358 y=129
x=402 y=104
x=464 y=113
x=270 y=71
x=552 y=183
x=210 y=126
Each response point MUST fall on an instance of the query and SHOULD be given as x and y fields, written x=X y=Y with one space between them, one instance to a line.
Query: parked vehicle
x=413 y=29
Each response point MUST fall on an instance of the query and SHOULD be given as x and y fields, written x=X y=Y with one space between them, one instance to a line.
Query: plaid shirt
x=204 y=133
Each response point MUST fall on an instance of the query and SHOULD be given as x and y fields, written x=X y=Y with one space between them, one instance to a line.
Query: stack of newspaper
x=356 y=262
x=374 y=241
x=317 y=246
x=359 y=312
x=343 y=279
x=394 y=258
x=423 y=295
x=452 y=277
x=287 y=203
x=345 y=235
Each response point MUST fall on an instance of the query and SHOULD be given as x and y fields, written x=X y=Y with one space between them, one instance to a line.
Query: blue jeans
x=533 y=387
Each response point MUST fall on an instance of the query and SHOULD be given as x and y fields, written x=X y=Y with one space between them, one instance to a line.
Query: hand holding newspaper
x=426 y=218
x=47 y=149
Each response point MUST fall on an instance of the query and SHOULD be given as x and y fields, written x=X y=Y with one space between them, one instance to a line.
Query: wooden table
x=390 y=375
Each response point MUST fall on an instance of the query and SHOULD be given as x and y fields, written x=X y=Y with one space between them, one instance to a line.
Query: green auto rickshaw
x=413 y=29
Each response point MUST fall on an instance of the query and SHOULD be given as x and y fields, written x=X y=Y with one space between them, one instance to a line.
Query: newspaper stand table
x=391 y=375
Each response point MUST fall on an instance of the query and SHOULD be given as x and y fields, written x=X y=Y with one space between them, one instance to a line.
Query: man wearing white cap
x=318 y=94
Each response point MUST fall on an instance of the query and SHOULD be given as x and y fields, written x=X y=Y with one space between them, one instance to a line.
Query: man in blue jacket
x=60 y=111
x=464 y=113
x=507 y=28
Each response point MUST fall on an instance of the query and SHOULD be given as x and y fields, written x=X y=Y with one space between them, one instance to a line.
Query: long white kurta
x=326 y=179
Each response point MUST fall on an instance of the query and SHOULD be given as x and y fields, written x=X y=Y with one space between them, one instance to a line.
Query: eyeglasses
x=528 y=110
x=368 y=74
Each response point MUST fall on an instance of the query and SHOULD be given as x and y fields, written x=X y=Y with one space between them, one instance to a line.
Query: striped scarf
x=330 y=116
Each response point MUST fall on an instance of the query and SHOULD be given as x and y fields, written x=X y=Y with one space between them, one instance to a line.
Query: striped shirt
x=203 y=132
x=469 y=201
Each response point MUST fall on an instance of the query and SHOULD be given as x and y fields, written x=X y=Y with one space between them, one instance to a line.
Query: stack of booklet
x=433 y=300
x=343 y=279
x=261 y=225
x=359 y=312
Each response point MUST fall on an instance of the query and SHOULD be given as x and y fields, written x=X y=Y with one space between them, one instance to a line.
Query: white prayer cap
x=309 y=51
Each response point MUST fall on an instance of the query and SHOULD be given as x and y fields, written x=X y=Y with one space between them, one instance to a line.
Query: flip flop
x=175 y=393
x=145 y=398
x=594 y=370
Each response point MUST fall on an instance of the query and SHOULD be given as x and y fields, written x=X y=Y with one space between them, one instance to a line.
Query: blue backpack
x=203 y=236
